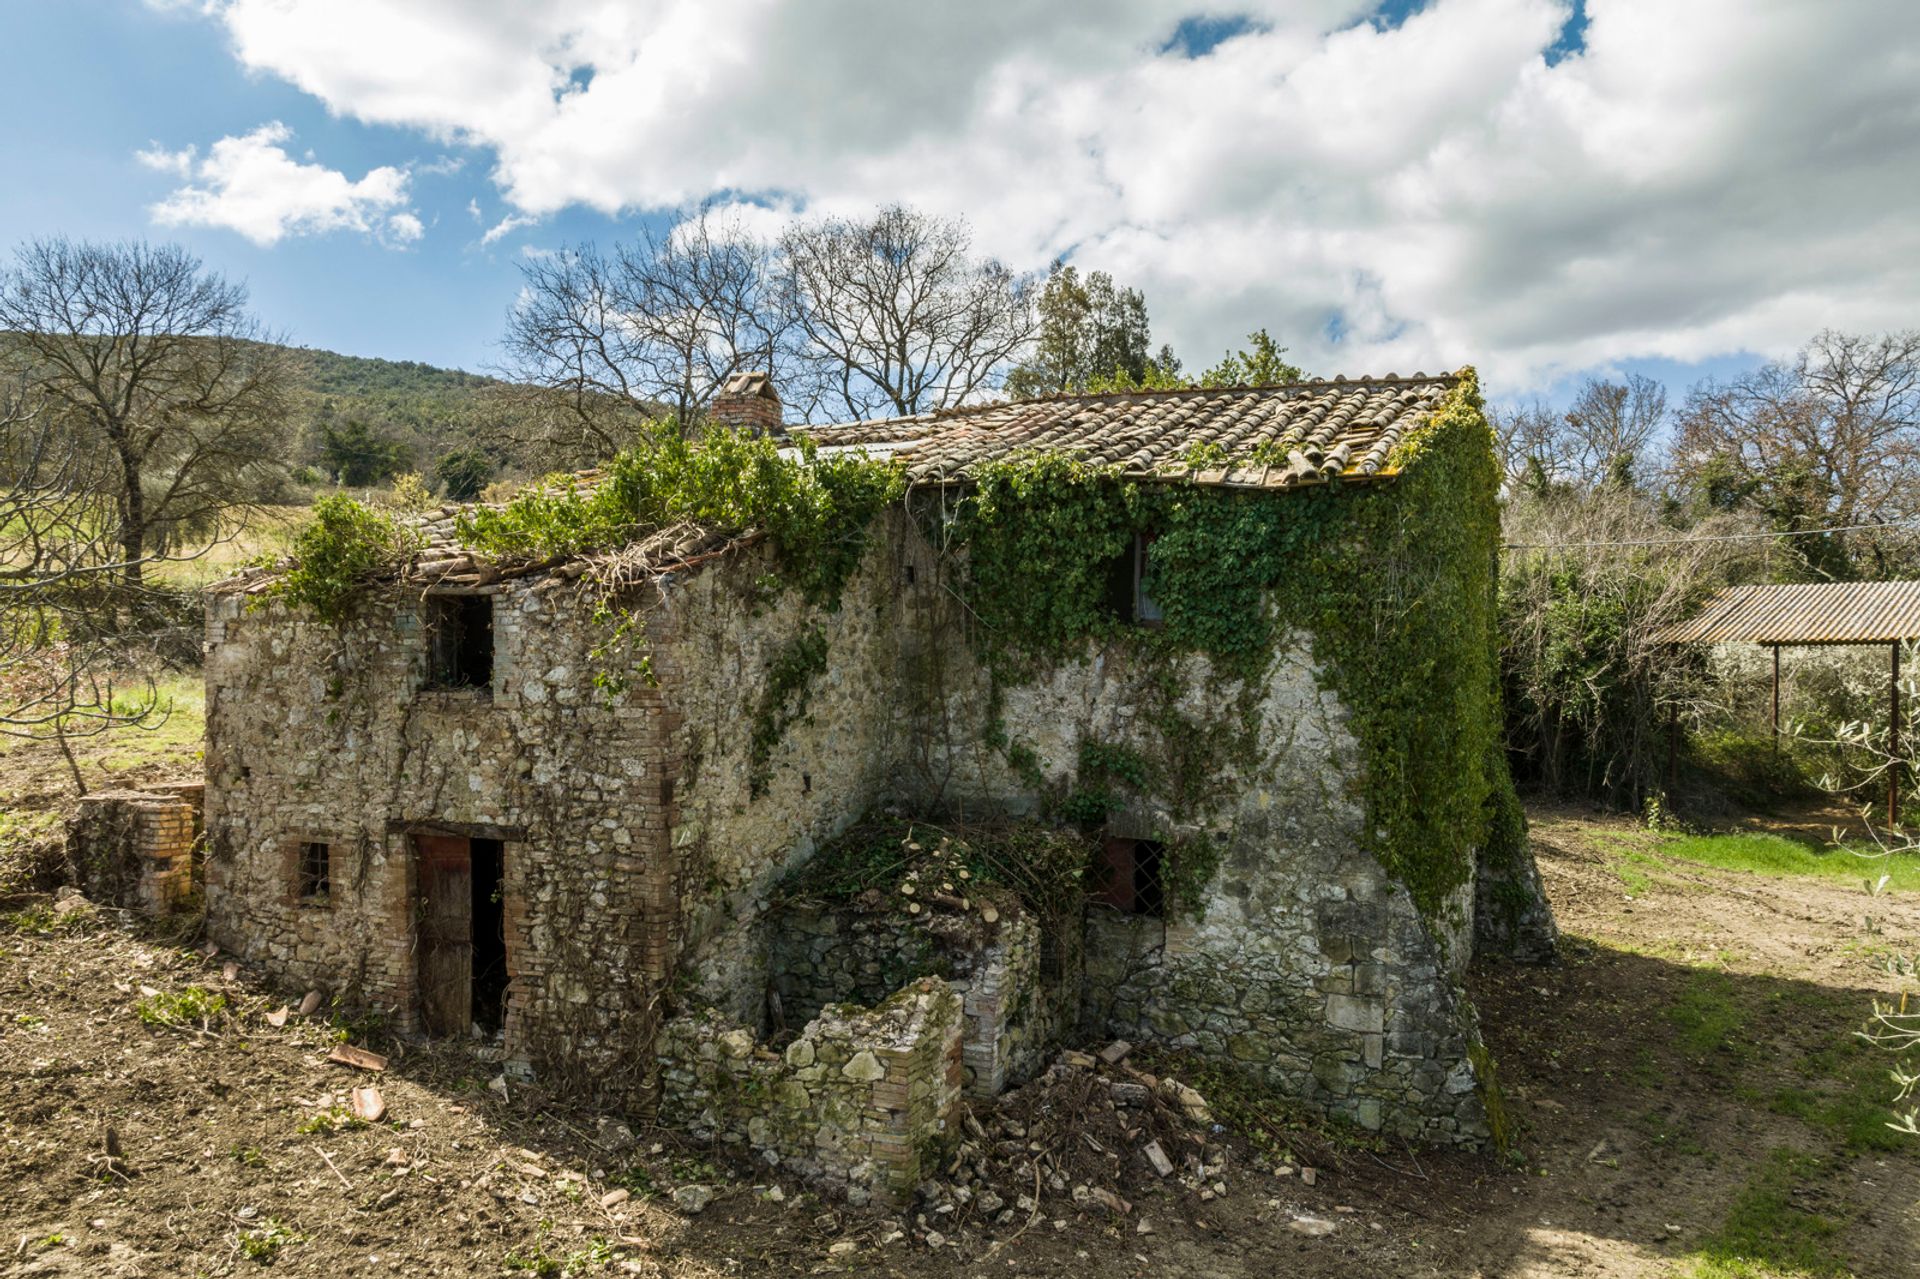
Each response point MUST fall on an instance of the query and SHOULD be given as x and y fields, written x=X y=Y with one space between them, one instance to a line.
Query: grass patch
x=1777 y=856
x=1767 y=1235
x=1633 y=868
x=195 y=1004
x=331 y=1120
x=264 y=1242
x=1854 y=1106
x=1707 y=1017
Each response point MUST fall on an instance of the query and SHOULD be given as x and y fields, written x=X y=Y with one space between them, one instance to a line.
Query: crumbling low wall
x=134 y=848
x=824 y=954
x=864 y=1101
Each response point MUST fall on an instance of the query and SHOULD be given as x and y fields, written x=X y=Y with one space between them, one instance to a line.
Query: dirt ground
x=1685 y=1095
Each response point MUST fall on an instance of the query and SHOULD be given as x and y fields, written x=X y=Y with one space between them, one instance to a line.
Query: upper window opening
x=462 y=630
x=316 y=871
x=1130 y=586
x=1135 y=883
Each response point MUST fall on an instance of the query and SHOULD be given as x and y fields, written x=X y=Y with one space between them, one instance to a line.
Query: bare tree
x=619 y=341
x=1829 y=440
x=139 y=351
x=1605 y=436
x=1610 y=429
x=898 y=315
x=62 y=591
x=1527 y=438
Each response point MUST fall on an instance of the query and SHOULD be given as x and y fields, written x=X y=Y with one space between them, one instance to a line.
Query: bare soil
x=1687 y=1072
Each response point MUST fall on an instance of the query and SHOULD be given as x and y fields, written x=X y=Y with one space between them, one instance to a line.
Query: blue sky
x=118 y=77
x=1542 y=188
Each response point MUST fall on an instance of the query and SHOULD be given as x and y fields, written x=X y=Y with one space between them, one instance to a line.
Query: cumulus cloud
x=251 y=184
x=1693 y=179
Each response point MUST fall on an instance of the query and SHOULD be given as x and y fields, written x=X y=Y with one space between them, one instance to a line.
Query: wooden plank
x=445 y=933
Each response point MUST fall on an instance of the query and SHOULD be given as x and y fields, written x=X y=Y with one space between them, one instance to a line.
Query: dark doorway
x=489 y=935
x=461 y=934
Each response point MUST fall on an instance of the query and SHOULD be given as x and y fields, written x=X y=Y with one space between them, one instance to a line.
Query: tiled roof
x=1806 y=613
x=1304 y=433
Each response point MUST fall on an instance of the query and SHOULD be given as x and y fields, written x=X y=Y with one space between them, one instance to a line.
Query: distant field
x=267 y=531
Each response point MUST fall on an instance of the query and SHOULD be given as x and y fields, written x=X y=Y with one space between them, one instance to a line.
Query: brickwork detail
x=134 y=848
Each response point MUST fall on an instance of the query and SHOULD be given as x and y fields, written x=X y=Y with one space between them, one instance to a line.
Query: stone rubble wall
x=1308 y=966
x=135 y=848
x=317 y=733
x=713 y=649
x=823 y=955
x=864 y=1101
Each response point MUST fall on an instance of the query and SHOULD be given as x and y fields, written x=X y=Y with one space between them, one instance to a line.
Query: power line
x=1711 y=537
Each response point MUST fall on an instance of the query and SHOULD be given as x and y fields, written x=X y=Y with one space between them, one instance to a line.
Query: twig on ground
x=336 y=1172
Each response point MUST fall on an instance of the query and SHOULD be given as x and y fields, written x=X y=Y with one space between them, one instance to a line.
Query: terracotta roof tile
x=1312 y=431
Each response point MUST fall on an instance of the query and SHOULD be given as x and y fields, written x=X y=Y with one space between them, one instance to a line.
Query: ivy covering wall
x=1392 y=583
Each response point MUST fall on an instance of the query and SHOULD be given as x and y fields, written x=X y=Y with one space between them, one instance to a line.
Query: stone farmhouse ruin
x=656 y=881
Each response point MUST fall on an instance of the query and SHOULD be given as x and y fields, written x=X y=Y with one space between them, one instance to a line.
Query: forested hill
x=361 y=421
x=329 y=373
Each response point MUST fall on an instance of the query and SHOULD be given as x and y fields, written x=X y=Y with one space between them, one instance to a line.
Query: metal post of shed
x=1776 y=699
x=1894 y=762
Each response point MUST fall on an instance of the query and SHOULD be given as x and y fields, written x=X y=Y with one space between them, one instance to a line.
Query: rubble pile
x=1090 y=1133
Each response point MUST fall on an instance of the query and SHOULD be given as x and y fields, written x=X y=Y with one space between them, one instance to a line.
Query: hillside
x=364 y=420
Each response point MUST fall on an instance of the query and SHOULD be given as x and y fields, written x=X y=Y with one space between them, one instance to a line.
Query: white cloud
x=177 y=164
x=507 y=226
x=250 y=184
x=1700 y=178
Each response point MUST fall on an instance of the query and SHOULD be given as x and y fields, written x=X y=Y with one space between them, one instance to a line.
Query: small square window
x=461 y=633
x=1134 y=882
x=316 y=871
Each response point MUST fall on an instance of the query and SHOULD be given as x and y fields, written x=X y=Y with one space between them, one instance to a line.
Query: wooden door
x=445 y=933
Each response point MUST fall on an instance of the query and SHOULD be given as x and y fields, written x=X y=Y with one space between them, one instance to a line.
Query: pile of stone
x=1091 y=1133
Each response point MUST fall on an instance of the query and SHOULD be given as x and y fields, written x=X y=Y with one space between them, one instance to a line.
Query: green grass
x=1777 y=856
x=181 y=1008
x=1708 y=1019
x=1766 y=1234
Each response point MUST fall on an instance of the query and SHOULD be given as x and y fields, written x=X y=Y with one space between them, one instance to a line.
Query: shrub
x=814 y=509
x=345 y=546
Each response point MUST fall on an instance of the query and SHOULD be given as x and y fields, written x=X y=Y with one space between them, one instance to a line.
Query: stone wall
x=1305 y=964
x=824 y=955
x=135 y=848
x=734 y=839
x=325 y=734
x=864 y=1100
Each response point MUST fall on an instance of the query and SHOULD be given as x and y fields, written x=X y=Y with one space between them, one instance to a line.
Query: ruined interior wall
x=1013 y=1018
x=864 y=1100
x=323 y=733
x=134 y=848
x=740 y=826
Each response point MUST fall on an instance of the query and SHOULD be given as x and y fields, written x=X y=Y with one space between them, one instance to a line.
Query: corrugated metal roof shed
x=1813 y=613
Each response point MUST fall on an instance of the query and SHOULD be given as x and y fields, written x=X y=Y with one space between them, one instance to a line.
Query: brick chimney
x=747 y=402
